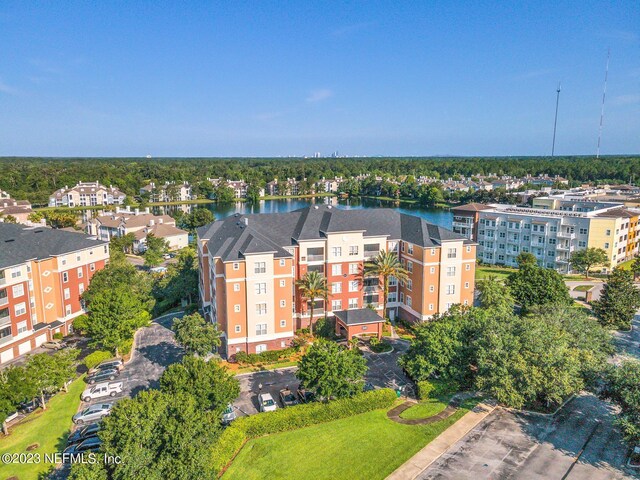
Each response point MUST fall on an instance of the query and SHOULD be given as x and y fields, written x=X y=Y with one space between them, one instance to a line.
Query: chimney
x=246 y=221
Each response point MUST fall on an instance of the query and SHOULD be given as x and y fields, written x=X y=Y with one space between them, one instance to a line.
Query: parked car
x=28 y=406
x=267 y=404
x=116 y=363
x=93 y=413
x=99 y=390
x=158 y=269
x=305 y=396
x=83 y=433
x=229 y=415
x=103 y=376
x=91 y=444
x=287 y=398
x=54 y=344
x=368 y=387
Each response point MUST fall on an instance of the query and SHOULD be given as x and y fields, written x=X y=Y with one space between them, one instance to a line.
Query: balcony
x=4 y=315
x=371 y=289
x=566 y=248
x=315 y=258
x=371 y=253
x=4 y=300
x=570 y=236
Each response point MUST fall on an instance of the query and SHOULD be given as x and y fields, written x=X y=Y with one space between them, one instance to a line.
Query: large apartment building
x=43 y=272
x=249 y=266
x=552 y=229
x=86 y=194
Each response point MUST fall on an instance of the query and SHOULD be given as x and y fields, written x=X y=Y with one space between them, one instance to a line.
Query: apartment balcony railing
x=3 y=280
x=371 y=253
x=568 y=248
x=4 y=300
x=315 y=258
x=371 y=288
x=570 y=236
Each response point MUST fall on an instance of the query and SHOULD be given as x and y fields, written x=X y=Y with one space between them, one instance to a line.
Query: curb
x=540 y=414
x=292 y=367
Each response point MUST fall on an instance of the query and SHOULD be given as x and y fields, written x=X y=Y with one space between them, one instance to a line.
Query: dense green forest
x=36 y=178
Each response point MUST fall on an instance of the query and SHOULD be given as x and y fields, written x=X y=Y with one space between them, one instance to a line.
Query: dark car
x=103 y=376
x=287 y=398
x=305 y=396
x=84 y=433
x=28 y=406
x=89 y=445
x=368 y=387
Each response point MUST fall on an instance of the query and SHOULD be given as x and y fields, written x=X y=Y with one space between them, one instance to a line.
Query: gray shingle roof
x=358 y=316
x=19 y=243
x=228 y=238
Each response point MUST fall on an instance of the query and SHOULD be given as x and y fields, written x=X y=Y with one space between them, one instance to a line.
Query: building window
x=393 y=281
x=451 y=271
x=81 y=288
x=67 y=294
x=65 y=277
x=607 y=232
x=236 y=287
x=336 y=287
x=409 y=284
x=353 y=268
x=336 y=305
x=353 y=303
x=451 y=289
x=237 y=328
x=261 y=288
x=92 y=267
x=283 y=283
x=402 y=246
x=353 y=286
x=18 y=290
x=22 y=327
x=353 y=250
x=432 y=288
x=336 y=269
x=467 y=267
x=433 y=252
x=409 y=302
x=20 y=309
x=261 y=328
x=336 y=251
x=431 y=306
x=260 y=267
x=64 y=261
x=283 y=303
x=452 y=253
x=466 y=284
x=261 y=308
x=5 y=331
x=606 y=245
x=410 y=267
x=410 y=248
x=261 y=348
x=282 y=262
x=392 y=297
x=401 y=297
x=236 y=266
x=236 y=308
x=79 y=271
x=468 y=248
x=432 y=270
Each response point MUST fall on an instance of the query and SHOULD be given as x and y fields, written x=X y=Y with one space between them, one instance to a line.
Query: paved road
x=628 y=343
x=155 y=350
x=507 y=445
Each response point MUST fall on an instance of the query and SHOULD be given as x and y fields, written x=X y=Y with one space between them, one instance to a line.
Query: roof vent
x=10 y=240
x=37 y=231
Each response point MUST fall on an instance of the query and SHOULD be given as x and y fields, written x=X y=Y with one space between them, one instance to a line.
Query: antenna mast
x=555 y=121
x=604 y=93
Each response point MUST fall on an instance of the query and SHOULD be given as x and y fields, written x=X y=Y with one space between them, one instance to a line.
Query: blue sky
x=292 y=78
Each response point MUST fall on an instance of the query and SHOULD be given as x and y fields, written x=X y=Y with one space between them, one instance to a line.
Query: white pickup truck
x=100 y=390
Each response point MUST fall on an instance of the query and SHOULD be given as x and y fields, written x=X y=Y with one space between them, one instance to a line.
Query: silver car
x=93 y=413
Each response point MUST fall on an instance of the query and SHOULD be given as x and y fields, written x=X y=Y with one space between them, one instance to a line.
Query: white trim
x=260 y=338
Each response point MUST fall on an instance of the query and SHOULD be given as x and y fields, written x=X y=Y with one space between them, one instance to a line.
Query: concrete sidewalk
x=429 y=454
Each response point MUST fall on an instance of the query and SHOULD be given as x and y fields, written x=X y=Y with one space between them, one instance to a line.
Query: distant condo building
x=140 y=224
x=18 y=209
x=86 y=194
x=168 y=192
x=552 y=229
x=249 y=265
x=43 y=273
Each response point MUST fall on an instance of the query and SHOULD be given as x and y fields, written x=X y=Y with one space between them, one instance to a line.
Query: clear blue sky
x=291 y=78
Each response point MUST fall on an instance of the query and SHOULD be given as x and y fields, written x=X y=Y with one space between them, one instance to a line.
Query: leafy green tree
x=526 y=258
x=495 y=294
x=584 y=260
x=35 y=217
x=635 y=268
x=180 y=280
x=210 y=384
x=8 y=218
x=156 y=248
x=61 y=218
x=160 y=436
x=15 y=387
x=253 y=193
x=89 y=471
x=385 y=266
x=622 y=386
x=49 y=373
x=121 y=274
x=533 y=285
x=196 y=335
x=331 y=370
x=619 y=300
x=197 y=218
x=311 y=287
x=223 y=193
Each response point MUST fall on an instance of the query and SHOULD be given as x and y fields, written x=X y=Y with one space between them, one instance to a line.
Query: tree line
x=35 y=178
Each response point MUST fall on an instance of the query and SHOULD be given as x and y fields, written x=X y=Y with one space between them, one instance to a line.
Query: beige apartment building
x=86 y=194
x=250 y=264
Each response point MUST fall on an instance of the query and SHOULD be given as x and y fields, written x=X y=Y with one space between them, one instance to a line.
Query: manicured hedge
x=270 y=356
x=436 y=388
x=292 y=418
x=96 y=358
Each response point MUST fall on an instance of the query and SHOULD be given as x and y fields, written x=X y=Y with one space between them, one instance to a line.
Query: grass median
x=49 y=429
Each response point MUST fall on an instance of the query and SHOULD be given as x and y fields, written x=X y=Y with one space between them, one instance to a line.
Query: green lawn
x=583 y=288
x=48 y=428
x=501 y=273
x=425 y=409
x=364 y=446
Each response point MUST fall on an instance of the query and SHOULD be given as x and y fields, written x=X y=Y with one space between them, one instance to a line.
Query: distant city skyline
x=293 y=79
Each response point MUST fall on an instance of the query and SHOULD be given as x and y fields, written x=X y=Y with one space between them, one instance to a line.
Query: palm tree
x=386 y=265
x=312 y=286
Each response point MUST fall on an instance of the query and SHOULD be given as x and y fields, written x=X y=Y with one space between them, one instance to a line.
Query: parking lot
x=383 y=372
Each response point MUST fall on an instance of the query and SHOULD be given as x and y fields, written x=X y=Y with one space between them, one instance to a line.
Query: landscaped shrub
x=57 y=336
x=80 y=323
x=96 y=358
x=436 y=388
x=270 y=356
x=292 y=418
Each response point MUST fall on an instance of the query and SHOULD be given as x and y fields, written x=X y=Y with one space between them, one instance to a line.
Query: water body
x=437 y=216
